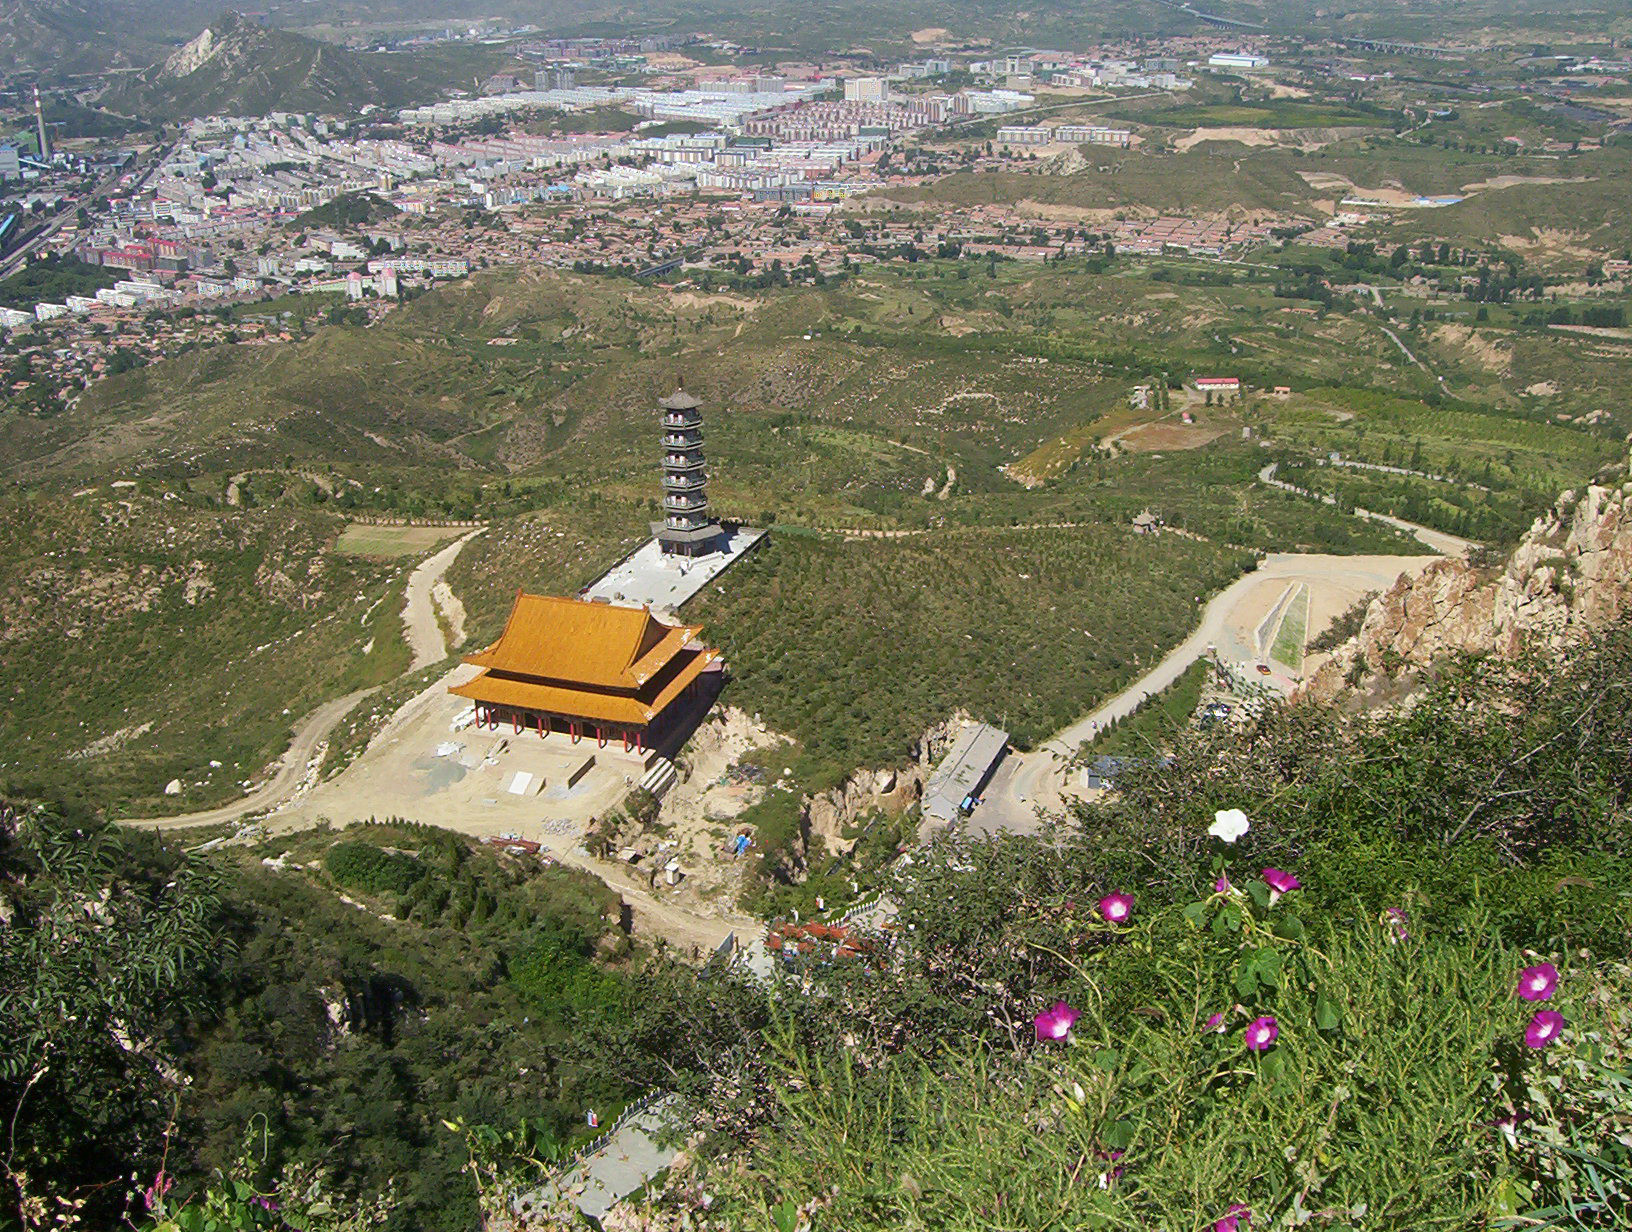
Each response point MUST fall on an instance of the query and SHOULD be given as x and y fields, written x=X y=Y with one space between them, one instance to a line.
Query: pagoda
x=686 y=528
x=586 y=669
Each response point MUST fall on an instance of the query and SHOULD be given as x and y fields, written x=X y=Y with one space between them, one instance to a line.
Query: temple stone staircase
x=659 y=777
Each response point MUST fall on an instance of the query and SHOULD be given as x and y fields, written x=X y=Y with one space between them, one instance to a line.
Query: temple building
x=686 y=528
x=590 y=670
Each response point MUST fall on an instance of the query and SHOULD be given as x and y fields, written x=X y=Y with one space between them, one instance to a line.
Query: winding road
x=423 y=633
x=1026 y=784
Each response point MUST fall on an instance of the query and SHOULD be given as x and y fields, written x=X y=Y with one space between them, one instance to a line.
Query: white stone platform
x=664 y=583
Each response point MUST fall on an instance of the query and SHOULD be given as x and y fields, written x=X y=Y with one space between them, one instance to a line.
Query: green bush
x=365 y=867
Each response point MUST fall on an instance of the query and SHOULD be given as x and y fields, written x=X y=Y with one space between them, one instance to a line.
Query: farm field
x=390 y=542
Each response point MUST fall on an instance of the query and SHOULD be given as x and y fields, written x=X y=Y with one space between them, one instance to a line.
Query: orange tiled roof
x=598 y=645
x=586 y=703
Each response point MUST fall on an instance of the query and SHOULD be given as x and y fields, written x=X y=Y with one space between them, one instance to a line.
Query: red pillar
x=600 y=736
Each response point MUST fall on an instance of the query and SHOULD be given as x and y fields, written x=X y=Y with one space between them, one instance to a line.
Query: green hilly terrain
x=974 y=405
x=238 y=66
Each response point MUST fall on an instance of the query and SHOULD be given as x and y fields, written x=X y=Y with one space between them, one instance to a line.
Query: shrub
x=365 y=867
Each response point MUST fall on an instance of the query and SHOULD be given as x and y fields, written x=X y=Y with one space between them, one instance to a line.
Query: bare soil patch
x=1165 y=437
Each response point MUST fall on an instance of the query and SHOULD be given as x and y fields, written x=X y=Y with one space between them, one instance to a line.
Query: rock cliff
x=1569 y=575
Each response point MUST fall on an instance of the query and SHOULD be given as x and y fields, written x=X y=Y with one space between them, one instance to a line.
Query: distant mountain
x=68 y=36
x=236 y=66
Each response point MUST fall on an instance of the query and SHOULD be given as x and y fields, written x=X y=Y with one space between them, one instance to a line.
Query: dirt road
x=423 y=634
x=420 y=627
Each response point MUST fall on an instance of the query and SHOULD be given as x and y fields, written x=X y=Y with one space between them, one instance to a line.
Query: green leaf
x=1246 y=978
x=1269 y=967
x=1289 y=927
x=1326 y=1015
x=1196 y=913
x=1117 y=1136
x=1107 y=1059
x=1260 y=894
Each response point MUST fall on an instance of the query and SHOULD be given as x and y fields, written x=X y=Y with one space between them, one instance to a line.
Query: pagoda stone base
x=664 y=580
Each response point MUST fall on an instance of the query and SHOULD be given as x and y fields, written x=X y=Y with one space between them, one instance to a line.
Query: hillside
x=1569 y=578
x=236 y=66
x=73 y=36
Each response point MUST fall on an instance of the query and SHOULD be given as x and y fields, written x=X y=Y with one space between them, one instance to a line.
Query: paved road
x=1036 y=779
x=424 y=637
x=1444 y=544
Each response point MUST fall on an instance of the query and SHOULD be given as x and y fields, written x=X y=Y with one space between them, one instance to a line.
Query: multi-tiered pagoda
x=686 y=528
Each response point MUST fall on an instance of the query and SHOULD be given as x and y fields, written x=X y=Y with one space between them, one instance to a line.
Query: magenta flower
x=154 y=1194
x=1116 y=908
x=1397 y=931
x=1261 y=1033
x=1107 y=1179
x=1544 y=1028
x=1215 y=1024
x=1222 y=885
x=1235 y=1219
x=1537 y=983
x=1279 y=883
x=1055 y=1023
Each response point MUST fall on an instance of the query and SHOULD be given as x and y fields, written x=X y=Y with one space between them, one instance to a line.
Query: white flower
x=1228 y=825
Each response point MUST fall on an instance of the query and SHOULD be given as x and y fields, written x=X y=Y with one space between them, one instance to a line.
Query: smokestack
x=39 y=118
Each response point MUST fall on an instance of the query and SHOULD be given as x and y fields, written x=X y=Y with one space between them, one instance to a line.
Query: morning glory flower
x=1537 y=983
x=1055 y=1023
x=1215 y=1024
x=1544 y=1028
x=1235 y=1219
x=1279 y=883
x=1261 y=1033
x=1397 y=931
x=1222 y=885
x=1116 y=908
x=1229 y=825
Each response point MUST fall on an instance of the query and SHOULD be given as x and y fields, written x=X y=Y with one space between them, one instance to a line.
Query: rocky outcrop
x=828 y=814
x=1569 y=575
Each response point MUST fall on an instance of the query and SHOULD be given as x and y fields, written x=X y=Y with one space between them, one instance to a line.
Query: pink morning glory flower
x=1215 y=1024
x=1222 y=885
x=1279 y=883
x=1537 y=983
x=1055 y=1023
x=1544 y=1028
x=1235 y=1219
x=1397 y=931
x=1107 y=1179
x=1116 y=908
x=1261 y=1033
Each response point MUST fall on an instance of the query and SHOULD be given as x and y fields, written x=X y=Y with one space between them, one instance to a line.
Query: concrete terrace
x=664 y=583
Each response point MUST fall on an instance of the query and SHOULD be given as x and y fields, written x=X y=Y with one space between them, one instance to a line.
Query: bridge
x=1405 y=49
